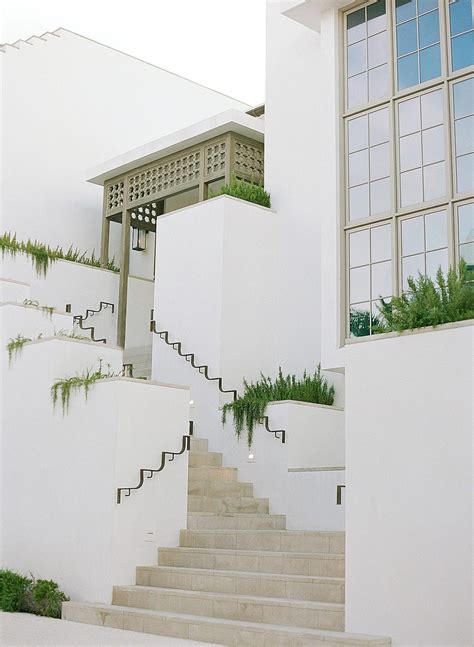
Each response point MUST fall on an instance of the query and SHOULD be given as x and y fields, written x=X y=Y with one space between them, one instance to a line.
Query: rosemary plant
x=249 y=408
x=43 y=256
x=245 y=191
x=15 y=346
x=63 y=388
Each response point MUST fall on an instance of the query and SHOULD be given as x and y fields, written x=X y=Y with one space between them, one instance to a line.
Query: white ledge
x=136 y=380
x=229 y=120
x=306 y=404
x=405 y=333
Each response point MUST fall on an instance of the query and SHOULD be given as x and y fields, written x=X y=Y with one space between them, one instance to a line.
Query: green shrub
x=25 y=594
x=47 y=598
x=431 y=303
x=249 y=408
x=245 y=191
x=42 y=256
x=14 y=590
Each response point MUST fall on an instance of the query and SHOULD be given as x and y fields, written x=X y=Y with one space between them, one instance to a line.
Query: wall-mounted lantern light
x=139 y=239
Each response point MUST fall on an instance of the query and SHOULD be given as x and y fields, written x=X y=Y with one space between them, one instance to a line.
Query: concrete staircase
x=238 y=577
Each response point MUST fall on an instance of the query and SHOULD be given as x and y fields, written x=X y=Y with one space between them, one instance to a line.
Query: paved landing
x=26 y=629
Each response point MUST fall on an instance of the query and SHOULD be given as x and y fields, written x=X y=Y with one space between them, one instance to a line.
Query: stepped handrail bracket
x=280 y=434
x=150 y=472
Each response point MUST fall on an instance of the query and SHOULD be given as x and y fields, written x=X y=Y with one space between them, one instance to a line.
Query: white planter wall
x=409 y=439
x=60 y=473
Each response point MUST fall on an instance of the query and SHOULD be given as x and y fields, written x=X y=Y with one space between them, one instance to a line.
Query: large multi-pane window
x=409 y=148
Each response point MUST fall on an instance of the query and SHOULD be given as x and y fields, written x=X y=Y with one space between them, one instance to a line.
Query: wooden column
x=123 y=285
x=104 y=242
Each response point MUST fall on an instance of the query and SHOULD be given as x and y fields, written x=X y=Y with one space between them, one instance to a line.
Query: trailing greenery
x=249 y=408
x=26 y=594
x=431 y=302
x=63 y=388
x=46 y=310
x=43 y=256
x=245 y=191
x=15 y=346
x=70 y=334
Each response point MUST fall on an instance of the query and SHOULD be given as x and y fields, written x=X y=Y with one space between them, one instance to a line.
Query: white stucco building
x=343 y=525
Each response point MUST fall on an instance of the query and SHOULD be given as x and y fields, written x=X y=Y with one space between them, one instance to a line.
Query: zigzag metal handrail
x=185 y=446
x=79 y=319
x=204 y=370
x=103 y=305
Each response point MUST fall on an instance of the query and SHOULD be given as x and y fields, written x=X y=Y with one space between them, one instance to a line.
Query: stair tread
x=258 y=553
x=257 y=626
x=258 y=599
x=250 y=574
x=306 y=533
x=232 y=514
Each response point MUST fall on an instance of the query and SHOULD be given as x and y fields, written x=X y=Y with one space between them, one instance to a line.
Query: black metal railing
x=79 y=319
x=204 y=370
x=148 y=473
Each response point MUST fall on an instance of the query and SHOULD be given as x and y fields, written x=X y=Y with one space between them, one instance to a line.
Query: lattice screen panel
x=162 y=177
x=215 y=157
x=248 y=160
x=114 y=195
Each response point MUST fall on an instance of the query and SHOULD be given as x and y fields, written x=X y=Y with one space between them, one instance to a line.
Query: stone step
x=198 y=445
x=228 y=606
x=299 y=587
x=205 y=629
x=211 y=473
x=219 y=488
x=291 y=541
x=319 y=564
x=236 y=521
x=228 y=504
x=196 y=459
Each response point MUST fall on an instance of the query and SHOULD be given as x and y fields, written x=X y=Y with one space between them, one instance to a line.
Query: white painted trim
x=305 y=404
x=135 y=380
x=72 y=339
x=317 y=469
x=415 y=331
x=218 y=197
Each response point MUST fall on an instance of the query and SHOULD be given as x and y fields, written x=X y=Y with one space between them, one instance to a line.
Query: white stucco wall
x=60 y=473
x=409 y=497
x=69 y=103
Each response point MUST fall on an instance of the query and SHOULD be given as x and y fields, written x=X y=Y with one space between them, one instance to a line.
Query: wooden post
x=123 y=285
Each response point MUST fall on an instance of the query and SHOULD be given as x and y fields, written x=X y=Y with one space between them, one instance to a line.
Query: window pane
x=378 y=127
x=359 y=248
x=464 y=98
x=407 y=39
x=359 y=202
x=378 y=83
x=467 y=253
x=430 y=63
x=462 y=50
x=413 y=238
x=360 y=284
x=356 y=26
x=357 y=90
x=433 y=145
x=411 y=266
x=465 y=172
x=356 y=58
x=436 y=230
x=428 y=26
x=432 y=109
x=466 y=222
x=409 y=116
x=381 y=243
x=405 y=9
x=379 y=161
x=407 y=71
x=427 y=5
x=435 y=260
x=358 y=133
x=379 y=196
x=359 y=320
x=411 y=187
x=464 y=135
x=410 y=152
x=381 y=280
x=376 y=16
x=460 y=16
x=378 y=49
x=434 y=181
x=358 y=167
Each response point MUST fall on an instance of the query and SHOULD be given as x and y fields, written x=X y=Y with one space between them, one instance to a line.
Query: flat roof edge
x=229 y=120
